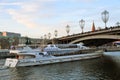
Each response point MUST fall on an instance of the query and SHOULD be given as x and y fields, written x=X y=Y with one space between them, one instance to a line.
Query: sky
x=35 y=18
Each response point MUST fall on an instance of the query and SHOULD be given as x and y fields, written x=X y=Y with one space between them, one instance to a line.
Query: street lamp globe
x=67 y=29
x=41 y=37
x=118 y=23
x=105 y=17
x=82 y=24
x=49 y=35
x=56 y=33
x=45 y=36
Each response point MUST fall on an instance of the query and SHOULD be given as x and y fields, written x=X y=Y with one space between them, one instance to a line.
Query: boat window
x=41 y=54
x=23 y=52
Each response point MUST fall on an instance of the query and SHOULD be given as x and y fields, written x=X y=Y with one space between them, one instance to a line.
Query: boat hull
x=51 y=60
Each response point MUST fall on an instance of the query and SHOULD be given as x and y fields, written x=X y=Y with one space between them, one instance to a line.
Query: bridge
x=96 y=38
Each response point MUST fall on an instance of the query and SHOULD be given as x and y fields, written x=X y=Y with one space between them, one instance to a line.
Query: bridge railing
x=90 y=32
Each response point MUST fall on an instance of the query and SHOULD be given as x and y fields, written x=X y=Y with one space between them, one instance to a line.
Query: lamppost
x=49 y=35
x=105 y=17
x=82 y=24
x=56 y=33
x=45 y=36
x=67 y=29
x=44 y=40
x=42 y=43
x=41 y=40
x=118 y=23
x=41 y=37
x=54 y=40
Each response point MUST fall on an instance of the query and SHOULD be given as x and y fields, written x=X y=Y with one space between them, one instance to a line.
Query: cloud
x=47 y=15
x=30 y=7
x=28 y=12
x=12 y=3
x=83 y=0
x=22 y=18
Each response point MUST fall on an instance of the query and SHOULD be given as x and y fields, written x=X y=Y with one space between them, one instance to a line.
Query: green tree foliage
x=28 y=41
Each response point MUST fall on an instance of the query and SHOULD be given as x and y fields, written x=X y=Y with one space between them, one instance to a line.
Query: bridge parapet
x=96 y=38
x=110 y=30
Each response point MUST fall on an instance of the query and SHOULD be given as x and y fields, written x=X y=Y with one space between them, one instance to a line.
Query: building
x=0 y=33
x=22 y=40
x=7 y=39
x=11 y=34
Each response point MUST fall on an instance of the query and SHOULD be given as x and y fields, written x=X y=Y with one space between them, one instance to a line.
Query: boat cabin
x=22 y=54
x=25 y=56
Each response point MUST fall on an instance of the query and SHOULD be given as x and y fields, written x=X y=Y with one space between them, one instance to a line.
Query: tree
x=28 y=41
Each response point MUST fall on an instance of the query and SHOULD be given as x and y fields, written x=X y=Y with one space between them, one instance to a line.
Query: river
x=104 y=68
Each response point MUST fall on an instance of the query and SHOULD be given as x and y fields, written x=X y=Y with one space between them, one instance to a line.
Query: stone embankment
x=110 y=49
x=4 y=53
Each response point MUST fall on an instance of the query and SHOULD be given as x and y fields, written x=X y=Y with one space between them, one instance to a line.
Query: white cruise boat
x=32 y=57
x=63 y=48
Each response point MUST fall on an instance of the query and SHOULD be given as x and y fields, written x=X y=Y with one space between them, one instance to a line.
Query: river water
x=104 y=68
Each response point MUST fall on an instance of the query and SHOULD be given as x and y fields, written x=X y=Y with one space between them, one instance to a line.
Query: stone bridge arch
x=112 y=37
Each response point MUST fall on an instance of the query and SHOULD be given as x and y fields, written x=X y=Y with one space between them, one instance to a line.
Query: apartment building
x=11 y=34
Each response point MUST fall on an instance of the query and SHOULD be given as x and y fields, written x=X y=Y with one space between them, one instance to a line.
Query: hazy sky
x=34 y=18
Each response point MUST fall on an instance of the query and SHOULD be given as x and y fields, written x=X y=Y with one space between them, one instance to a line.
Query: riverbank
x=112 y=49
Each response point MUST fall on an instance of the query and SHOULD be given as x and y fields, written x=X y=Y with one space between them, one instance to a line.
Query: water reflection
x=21 y=73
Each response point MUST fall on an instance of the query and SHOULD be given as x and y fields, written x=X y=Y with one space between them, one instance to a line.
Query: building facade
x=11 y=34
x=22 y=40
x=8 y=39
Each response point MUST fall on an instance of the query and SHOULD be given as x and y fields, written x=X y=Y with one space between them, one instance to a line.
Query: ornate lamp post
x=44 y=40
x=45 y=36
x=41 y=41
x=41 y=37
x=105 y=17
x=56 y=33
x=49 y=35
x=82 y=24
x=67 y=29
x=54 y=39
x=118 y=23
